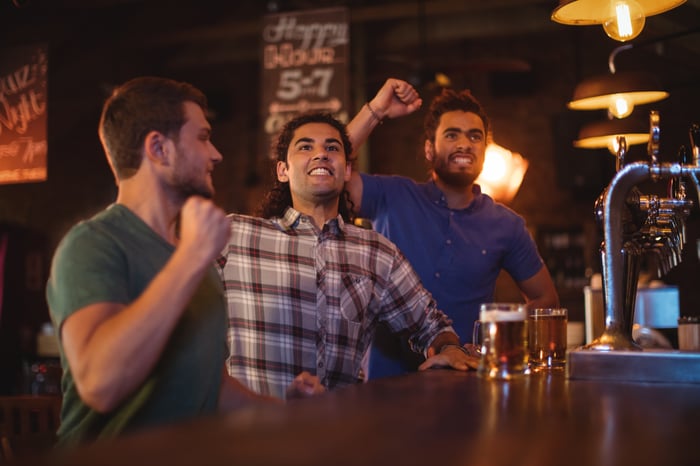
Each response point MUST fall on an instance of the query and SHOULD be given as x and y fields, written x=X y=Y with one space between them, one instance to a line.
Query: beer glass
x=547 y=328
x=501 y=334
x=688 y=333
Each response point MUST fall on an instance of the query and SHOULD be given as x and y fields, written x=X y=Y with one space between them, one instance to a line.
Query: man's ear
x=282 y=176
x=429 y=150
x=156 y=147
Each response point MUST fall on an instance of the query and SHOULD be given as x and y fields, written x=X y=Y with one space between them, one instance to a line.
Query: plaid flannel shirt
x=300 y=299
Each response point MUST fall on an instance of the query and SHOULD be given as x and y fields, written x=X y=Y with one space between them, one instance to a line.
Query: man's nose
x=463 y=140
x=321 y=155
x=217 y=156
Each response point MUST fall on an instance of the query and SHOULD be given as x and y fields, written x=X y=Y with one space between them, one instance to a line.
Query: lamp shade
x=502 y=174
x=603 y=134
x=588 y=12
x=622 y=20
x=619 y=92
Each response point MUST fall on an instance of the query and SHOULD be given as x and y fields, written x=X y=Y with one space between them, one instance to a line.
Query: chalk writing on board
x=304 y=60
x=23 y=114
x=23 y=95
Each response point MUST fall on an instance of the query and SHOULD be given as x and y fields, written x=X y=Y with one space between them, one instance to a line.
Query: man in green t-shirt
x=133 y=291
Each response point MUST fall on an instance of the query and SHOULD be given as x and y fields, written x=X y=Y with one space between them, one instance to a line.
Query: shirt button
x=320 y=364
x=483 y=252
x=437 y=274
x=449 y=241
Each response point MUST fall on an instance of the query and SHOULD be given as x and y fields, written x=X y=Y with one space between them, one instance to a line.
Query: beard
x=461 y=179
x=187 y=180
x=188 y=189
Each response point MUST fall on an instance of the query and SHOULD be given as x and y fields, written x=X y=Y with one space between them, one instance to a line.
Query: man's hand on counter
x=455 y=356
x=305 y=385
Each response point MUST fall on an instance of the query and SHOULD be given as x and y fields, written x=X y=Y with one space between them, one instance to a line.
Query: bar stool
x=28 y=424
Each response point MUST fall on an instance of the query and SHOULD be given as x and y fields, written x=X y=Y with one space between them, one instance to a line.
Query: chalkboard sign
x=304 y=67
x=23 y=105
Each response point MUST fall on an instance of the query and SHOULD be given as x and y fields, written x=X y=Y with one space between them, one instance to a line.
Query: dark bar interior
x=524 y=68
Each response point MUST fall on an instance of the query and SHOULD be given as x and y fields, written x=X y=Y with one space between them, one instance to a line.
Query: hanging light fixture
x=604 y=134
x=622 y=20
x=618 y=93
x=502 y=174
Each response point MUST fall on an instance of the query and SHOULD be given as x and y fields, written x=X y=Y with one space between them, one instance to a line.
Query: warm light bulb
x=495 y=165
x=625 y=20
x=442 y=80
x=502 y=173
x=613 y=144
x=620 y=106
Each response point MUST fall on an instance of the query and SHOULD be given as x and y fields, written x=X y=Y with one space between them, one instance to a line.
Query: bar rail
x=436 y=417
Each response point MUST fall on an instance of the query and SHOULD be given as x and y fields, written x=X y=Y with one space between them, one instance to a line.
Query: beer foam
x=501 y=316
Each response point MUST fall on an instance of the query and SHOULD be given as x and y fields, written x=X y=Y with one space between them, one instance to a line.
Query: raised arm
x=112 y=347
x=394 y=99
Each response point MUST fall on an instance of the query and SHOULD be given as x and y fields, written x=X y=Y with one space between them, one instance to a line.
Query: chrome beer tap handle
x=694 y=134
x=620 y=153
x=654 y=137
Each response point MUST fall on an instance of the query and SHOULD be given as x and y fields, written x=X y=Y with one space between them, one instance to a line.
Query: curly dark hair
x=451 y=100
x=279 y=197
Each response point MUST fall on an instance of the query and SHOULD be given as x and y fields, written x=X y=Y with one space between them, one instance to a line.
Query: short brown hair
x=137 y=107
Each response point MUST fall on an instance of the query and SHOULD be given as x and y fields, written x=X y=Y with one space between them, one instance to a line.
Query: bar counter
x=437 y=417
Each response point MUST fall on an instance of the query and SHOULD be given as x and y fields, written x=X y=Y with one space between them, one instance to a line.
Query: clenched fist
x=204 y=229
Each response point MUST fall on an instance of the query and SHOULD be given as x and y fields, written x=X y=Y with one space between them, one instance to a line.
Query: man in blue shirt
x=457 y=238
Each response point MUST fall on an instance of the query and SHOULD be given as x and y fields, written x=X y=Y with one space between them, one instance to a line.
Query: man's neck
x=152 y=206
x=456 y=197
x=318 y=213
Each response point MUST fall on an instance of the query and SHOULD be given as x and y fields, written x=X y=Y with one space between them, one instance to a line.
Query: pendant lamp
x=503 y=172
x=622 y=20
x=604 y=134
x=618 y=93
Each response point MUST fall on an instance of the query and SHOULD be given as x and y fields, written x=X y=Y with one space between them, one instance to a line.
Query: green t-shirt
x=112 y=258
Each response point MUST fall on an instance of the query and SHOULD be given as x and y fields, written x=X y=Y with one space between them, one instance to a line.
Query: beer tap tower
x=634 y=225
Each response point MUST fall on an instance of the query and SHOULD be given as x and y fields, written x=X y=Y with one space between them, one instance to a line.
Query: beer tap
x=635 y=224
x=654 y=137
x=694 y=134
x=676 y=186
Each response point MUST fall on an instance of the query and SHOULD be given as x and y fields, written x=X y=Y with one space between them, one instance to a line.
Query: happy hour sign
x=304 y=66
x=23 y=115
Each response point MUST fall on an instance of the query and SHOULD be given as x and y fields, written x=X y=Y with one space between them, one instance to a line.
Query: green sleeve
x=88 y=267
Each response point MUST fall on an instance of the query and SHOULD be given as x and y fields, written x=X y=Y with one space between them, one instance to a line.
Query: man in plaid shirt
x=306 y=288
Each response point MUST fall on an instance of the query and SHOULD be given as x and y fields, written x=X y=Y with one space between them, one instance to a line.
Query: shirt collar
x=291 y=220
x=436 y=196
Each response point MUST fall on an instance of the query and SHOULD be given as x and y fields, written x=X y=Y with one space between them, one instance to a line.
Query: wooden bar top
x=437 y=417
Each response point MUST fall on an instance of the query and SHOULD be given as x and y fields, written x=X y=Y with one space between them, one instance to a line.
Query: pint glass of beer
x=501 y=334
x=547 y=340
